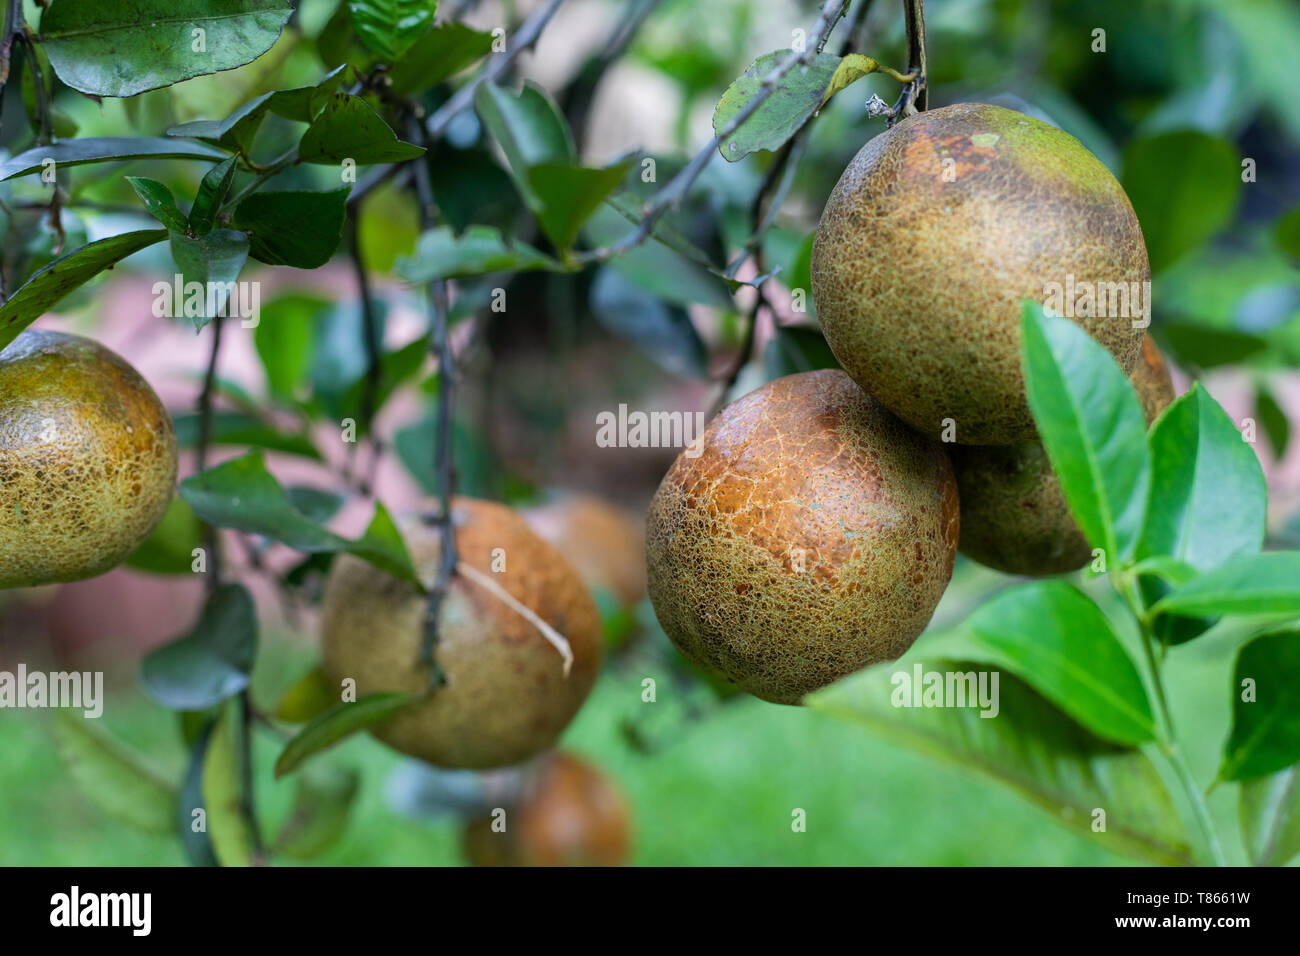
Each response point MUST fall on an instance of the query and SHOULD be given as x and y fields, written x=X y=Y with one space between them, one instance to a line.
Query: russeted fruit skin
x=506 y=697
x=605 y=545
x=919 y=277
x=569 y=814
x=1014 y=516
x=813 y=536
x=87 y=459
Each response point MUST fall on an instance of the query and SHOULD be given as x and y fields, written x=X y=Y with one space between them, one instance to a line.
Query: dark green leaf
x=529 y=127
x=339 y=722
x=664 y=332
x=118 y=780
x=1184 y=188
x=160 y=202
x=1276 y=425
x=128 y=47
x=1287 y=232
x=321 y=806
x=794 y=349
x=212 y=193
x=659 y=267
x=441 y=53
x=1030 y=746
x=43 y=290
x=441 y=254
x=214 y=261
x=1092 y=426
x=236 y=428
x=568 y=194
x=190 y=812
x=346 y=128
x=1052 y=635
x=1270 y=817
x=284 y=341
x=1201 y=346
x=389 y=27
x=1265 y=734
x=103 y=149
x=315 y=504
x=293 y=228
x=210 y=663
x=1267 y=583
x=237 y=130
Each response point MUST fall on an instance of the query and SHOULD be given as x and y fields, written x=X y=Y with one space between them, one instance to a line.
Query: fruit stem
x=915 y=96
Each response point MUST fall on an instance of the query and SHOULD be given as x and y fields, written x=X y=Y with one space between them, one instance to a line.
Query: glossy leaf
x=214 y=261
x=1184 y=187
x=530 y=128
x=103 y=149
x=238 y=428
x=160 y=202
x=389 y=27
x=1265 y=735
x=1273 y=418
x=347 y=129
x=1092 y=426
x=45 y=288
x=338 y=723
x=1267 y=583
x=441 y=254
x=441 y=53
x=293 y=228
x=118 y=780
x=1270 y=817
x=568 y=194
x=1053 y=636
x=237 y=130
x=1032 y=747
x=213 y=661
x=128 y=47
x=212 y=193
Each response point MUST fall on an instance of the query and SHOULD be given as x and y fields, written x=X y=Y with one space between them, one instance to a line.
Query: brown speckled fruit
x=506 y=697
x=1013 y=512
x=605 y=544
x=569 y=814
x=87 y=459
x=936 y=232
x=813 y=536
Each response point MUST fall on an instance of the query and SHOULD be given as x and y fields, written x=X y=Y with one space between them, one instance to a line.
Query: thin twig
x=916 y=95
x=210 y=542
x=677 y=187
x=370 y=328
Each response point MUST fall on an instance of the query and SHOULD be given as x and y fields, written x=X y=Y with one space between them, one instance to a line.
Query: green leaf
x=1030 y=746
x=322 y=803
x=128 y=47
x=210 y=663
x=223 y=790
x=160 y=202
x=1184 y=187
x=103 y=149
x=1276 y=425
x=346 y=128
x=243 y=495
x=1270 y=817
x=567 y=195
x=441 y=254
x=794 y=349
x=212 y=193
x=236 y=131
x=293 y=228
x=338 y=723
x=1052 y=635
x=1202 y=346
x=238 y=428
x=1209 y=500
x=170 y=548
x=530 y=128
x=309 y=697
x=118 y=780
x=45 y=288
x=662 y=331
x=214 y=261
x=1267 y=583
x=659 y=267
x=441 y=53
x=197 y=731
x=389 y=27
x=1092 y=426
x=284 y=341
x=1265 y=735
x=800 y=93
x=1287 y=233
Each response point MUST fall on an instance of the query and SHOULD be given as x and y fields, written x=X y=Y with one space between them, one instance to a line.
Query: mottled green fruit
x=934 y=235
x=507 y=697
x=87 y=459
x=1014 y=516
x=812 y=536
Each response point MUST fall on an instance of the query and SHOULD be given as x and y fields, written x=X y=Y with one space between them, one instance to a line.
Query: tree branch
x=210 y=543
x=916 y=95
x=370 y=328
